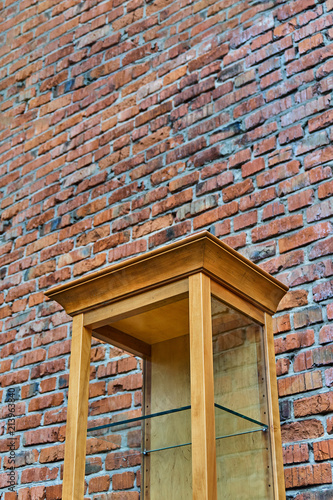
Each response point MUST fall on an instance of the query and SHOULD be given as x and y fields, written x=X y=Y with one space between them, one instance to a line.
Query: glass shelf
x=169 y=429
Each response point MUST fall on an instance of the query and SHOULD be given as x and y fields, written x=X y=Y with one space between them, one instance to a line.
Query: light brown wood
x=202 y=390
x=141 y=305
x=146 y=439
x=137 y=304
x=170 y=470
x=77 y=413
x=273 y=408
x=122 y=340
x=237 y=302
x=157 y=325
x=201 y=252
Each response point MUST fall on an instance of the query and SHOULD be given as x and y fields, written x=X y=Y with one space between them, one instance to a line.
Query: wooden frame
x=178 y=279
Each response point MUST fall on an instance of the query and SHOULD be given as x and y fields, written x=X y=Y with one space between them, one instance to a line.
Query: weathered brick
x=305 y=236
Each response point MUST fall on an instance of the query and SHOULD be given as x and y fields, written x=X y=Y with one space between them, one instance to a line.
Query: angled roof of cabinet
x=201 y=252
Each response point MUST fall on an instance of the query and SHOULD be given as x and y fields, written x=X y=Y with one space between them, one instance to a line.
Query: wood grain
x=202 y=390
x=199 y=253
x=237 y=302
x=123 y=341
x=273 y=409
x=77 y=412
x=138 y=304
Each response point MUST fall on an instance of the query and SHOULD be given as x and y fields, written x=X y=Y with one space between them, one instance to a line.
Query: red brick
x=300 y=383
x=278 y=173
x=252 y=167
x=314 y=405
x=89 y=264
x=296 y=453
x=245 y=220
x=273 y=210
x=294 y=341
x=325 y=190
x=307 y=475
x=123 y=481
x=100 y=483
x=305 y=236
x=330 y=311
x=301 y=430
x=46 y=401
x=276 y=227
x=237 y=190
x=282 y=366
x=39 y=474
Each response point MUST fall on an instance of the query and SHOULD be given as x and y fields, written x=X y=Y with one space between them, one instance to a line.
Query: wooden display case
x=200 y=315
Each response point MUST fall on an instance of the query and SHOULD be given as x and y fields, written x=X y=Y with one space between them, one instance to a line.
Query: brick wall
x=126 y=125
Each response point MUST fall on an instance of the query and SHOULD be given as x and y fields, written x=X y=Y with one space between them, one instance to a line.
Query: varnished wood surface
x=202 y=390
x=77 y=412
x=123 y=341
x=138 y=304
x=274 y=416
x=153 y=293
x=200 y=252
x=160 y=324
x=237 y=302
x=170 y=470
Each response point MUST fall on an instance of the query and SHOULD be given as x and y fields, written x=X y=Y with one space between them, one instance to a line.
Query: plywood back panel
x=170 y=470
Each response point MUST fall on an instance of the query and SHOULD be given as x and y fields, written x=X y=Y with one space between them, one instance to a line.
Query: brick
x=98 y=484
x=273 y=210
x=307 y=475
x=330 y=311
x=314 y=405
x=323 y=291
x=325 y=190
x=302 y=430
x=278 y=173
x=276 y=227
x=282 y=366
x=123 y=481
x=237 y=190
x=300 y=383
x=260 y=251
x=305 y=236
x=294 y=341
x=296 y=453
x=38 y=474
x=89 y=264
x=291 y=134
x=252 y=167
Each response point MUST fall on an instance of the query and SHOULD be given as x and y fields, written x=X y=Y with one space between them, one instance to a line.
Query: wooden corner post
x=77 y=413
x=202 y=389
x=273 y=411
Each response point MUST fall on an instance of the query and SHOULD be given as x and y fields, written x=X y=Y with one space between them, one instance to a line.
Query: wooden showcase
x=200 y=315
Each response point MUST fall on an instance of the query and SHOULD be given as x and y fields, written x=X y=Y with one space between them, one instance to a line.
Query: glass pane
x=242 y=445
x=126 y=435
x=163 y=438
x=168 y=473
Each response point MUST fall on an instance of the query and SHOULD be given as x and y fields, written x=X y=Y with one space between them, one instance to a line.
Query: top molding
x=201 y=252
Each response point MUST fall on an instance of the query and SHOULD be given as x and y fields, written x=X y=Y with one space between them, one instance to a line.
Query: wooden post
x=202 y=390
x=77 y=413
x=273 y=411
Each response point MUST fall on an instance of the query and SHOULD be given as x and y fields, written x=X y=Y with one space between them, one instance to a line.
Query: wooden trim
x=77 y=413
x=273 y=412
x=146 y=403
x=237 y=302
x=204 y=477
x=137 y=304
x=199 y=253
x=123 y=341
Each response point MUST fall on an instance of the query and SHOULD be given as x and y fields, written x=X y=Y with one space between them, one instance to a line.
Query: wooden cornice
x=201 y=252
